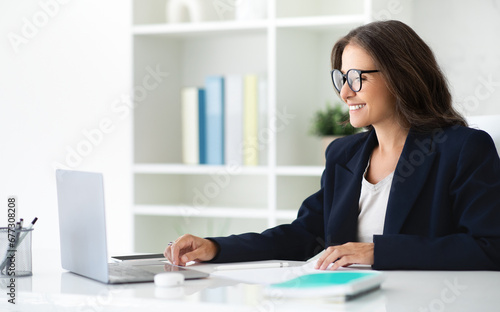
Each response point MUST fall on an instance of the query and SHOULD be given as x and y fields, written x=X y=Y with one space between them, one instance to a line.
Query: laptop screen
x=82 y=223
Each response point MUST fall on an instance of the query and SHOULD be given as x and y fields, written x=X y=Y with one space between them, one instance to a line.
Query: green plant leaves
x=332 y=121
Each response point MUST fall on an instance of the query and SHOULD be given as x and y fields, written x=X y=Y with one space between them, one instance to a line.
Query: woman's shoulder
x=455 y=138
x=462 y=131
x=461 y=134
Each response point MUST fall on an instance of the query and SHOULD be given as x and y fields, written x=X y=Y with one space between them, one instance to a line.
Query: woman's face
x=374 y=104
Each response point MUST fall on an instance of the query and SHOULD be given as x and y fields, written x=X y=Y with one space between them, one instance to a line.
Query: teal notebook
x=336 y=284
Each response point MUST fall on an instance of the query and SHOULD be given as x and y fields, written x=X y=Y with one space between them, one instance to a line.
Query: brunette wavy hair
x=411 y=72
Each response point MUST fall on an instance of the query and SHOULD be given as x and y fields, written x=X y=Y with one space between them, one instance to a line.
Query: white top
x=372 y=207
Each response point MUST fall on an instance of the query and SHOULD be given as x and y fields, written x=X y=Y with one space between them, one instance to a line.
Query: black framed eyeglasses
x=353 y=78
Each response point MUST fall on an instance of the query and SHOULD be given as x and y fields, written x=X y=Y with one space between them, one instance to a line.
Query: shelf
x=184 y=29
x=300 y=170
x=322 y=22
x=212 y=212
x=198 y=169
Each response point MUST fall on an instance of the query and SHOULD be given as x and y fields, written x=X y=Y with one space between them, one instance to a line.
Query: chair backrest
x=488 y=123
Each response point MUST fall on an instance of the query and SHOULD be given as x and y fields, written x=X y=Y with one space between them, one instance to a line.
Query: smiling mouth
x=356 y=107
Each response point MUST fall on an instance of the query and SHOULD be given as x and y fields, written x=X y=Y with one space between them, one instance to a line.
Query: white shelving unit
x=292 y=48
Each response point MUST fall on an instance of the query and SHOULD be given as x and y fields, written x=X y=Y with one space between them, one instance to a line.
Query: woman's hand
x=345 y=255
x=190 y=248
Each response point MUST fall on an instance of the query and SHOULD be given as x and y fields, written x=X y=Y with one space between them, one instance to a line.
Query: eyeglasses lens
x=338 y=79
x=354 y=80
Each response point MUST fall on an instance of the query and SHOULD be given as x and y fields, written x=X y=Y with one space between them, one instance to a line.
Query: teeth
x=355 y=107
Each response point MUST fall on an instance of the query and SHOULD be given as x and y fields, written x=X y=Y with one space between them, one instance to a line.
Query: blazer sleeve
x=475 y=195
x=300 y=240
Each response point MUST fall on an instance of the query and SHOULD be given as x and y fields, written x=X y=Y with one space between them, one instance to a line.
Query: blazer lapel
x=410 y=175
x=343 y=221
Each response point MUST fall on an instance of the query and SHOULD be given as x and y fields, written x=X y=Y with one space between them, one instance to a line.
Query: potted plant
x=331 y=123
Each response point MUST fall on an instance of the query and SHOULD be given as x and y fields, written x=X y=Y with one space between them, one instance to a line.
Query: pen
x=251 y=266
x=26 y=231
x=18 y=232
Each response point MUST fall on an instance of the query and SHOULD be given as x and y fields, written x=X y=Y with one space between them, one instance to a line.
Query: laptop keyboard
x=124 y=273
x=127 y=271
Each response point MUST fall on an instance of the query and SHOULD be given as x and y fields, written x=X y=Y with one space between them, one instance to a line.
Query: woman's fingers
x=346 y=254
x=190 y=248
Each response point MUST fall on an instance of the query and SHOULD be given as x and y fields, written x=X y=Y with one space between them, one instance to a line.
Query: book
x=250 y=122
x=190 y=98
x=233 y=139
x=202 y=143
x=263 y=131
x=214 y=120
x=334 y=285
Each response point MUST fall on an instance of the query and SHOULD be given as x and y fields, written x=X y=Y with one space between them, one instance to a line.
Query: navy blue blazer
x=443 y=211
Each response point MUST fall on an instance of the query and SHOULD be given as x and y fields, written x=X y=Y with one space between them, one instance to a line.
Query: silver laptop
x=82 y=228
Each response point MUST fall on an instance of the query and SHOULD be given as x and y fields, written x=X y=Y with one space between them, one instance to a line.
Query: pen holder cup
x=15 y=252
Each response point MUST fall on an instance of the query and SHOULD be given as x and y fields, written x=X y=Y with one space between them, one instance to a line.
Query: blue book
x=201 y=126
x=214 y=121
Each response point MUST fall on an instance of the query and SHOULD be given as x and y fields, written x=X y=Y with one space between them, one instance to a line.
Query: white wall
x=62 y=66
x=464 y=35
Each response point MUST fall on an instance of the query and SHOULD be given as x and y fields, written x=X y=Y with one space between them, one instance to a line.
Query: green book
x=336 y=285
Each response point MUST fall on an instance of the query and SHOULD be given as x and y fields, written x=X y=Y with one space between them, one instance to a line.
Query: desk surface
x=53 y=289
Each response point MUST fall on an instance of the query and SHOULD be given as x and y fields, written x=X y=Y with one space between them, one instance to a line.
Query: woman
x=418 y=190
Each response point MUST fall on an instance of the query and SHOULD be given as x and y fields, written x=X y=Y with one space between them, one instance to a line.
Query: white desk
x=52 y=289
